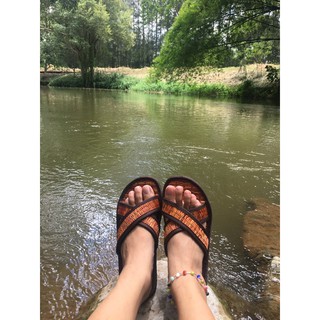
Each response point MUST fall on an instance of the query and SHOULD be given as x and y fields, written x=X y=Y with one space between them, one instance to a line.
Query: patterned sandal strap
x=179 y=219
x=143 y=214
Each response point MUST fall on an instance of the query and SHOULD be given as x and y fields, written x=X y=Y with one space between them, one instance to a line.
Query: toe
x=187 y=198
x=147 y=192
x=170 y=193
x=179 y=195
x=194 y=201
x=131 y=200
x=138 y=194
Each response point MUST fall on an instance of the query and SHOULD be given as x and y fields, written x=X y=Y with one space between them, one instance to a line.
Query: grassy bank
x=249 y=84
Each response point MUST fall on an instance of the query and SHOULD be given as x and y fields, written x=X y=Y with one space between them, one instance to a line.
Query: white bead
x=178 y=274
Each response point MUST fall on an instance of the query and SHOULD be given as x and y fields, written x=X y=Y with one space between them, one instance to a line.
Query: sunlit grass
x=244 y=88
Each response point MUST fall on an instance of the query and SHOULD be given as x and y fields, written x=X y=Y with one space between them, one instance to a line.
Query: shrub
x=68 y=80
x=101 y=80
x=113 y=81
x=272 y=74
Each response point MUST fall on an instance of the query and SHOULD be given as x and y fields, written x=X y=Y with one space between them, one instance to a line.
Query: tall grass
x=194 y=89
x=246 y=90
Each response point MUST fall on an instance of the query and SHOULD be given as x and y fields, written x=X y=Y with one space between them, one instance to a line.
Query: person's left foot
x=183 y=252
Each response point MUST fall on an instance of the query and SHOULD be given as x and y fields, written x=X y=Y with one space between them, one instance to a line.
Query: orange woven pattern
x=200 y=214
x=136 y=214
x=151 y=222
x=123 y=209
x=187 y=221
x=170 y=226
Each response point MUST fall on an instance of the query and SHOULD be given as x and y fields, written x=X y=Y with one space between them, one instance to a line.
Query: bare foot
x=134 y=282
x=137 y=250
x=183 y=252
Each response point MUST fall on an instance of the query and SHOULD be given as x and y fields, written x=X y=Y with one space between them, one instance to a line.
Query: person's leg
x=134 y=283
x=184 y=254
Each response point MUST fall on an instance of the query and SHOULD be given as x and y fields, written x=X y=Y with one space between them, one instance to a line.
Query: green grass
x=246 y=90
x=194 y=89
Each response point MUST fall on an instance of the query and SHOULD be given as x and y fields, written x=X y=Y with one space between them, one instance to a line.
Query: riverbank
x=248 y=83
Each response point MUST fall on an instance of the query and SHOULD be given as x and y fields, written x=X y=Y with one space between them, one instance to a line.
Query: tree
x=83 y=30
x=151 y=20
x=221 y=33
x=47 y=42
x=116 y=52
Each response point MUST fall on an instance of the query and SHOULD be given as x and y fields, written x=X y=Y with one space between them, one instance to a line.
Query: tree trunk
x=86 y=64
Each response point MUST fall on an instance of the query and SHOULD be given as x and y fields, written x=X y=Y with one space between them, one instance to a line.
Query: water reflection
x=94 y=142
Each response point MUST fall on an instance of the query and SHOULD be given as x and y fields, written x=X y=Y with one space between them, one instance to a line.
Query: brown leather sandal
x=146 y=214
x=178 y=219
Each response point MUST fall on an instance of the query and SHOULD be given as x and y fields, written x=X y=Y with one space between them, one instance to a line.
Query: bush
x=101 y=80
x=246 y=90
x=114 y=81
x=273 y=74
x=68 y=80
x=193 y=89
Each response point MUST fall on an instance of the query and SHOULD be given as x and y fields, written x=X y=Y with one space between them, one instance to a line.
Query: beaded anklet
x=191 y=273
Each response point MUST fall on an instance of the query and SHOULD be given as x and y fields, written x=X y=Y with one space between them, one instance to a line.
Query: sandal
x=178 y=219
x=146 y=214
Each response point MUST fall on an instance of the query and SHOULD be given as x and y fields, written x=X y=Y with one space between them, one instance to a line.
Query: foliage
x=114 y=81
x=67 y=81
x=221 y=33
x=101 y=80
x=178 y=88
x=272 y=74
x=85 y=33
x=151 y=20
x=82 y=30
x=117 y=51
x=247 y=90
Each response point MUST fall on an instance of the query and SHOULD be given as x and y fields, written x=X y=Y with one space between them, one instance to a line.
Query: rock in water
x=261 y=239
x=261 y=229
x=159 y=307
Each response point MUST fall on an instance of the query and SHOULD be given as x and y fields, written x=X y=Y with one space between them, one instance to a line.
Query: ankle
x=197 y=276
x=141 y=277
x=189 y=286
x=184 y=254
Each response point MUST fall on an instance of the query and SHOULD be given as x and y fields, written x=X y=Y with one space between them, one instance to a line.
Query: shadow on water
x=94 y=142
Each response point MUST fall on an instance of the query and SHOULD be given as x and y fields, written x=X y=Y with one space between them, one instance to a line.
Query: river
x=93 y=142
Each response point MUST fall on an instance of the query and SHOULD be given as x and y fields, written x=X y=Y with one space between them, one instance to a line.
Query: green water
x=94 y=142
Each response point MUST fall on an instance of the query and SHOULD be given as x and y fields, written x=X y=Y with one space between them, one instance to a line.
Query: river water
x=93 y=142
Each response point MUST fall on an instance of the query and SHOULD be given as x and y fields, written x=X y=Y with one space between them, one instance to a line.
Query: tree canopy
x=171 y=35
x=221 y=33
x=81 y=33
